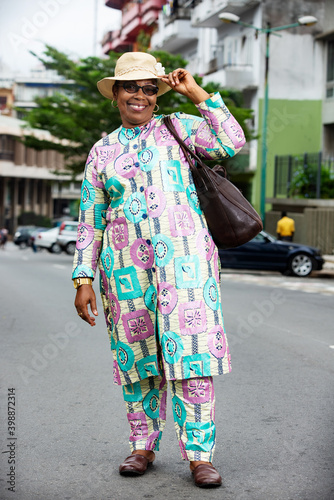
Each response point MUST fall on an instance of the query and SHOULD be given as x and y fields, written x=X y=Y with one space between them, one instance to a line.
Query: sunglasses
x=132 y=88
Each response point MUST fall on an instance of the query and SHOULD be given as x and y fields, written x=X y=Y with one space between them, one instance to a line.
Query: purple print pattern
x=119 y=233
x=217 y=342
x=180 y=221
x=142 y=254
x=196 y=390
x=138 y=426
x=205 y=244
x=192 y=317
x=167 y=298
x=137 y=325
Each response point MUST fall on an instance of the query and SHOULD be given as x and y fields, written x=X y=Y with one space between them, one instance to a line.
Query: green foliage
x=143 y=41
x=304 y=182
x=32 y=219
x=80 y=114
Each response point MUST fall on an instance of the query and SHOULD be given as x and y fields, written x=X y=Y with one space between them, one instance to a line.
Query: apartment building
x=301 y=70
x=30 y=180
x=137 y=16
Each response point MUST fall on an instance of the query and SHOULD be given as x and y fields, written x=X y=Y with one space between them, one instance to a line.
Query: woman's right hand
x=86 y=295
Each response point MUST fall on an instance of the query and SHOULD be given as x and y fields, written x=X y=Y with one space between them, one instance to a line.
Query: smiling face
x=135 y=109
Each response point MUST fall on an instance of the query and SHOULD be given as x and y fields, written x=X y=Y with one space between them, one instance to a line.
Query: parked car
x=22 y=236
x=33 y=237
x=267 y=253
x=48 y=239
x=68 y=236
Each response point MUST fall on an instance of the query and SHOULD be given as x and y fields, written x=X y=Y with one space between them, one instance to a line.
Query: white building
x=301 y=70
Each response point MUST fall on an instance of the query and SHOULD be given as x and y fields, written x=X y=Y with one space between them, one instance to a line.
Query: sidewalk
x=329 y=264
x=329 y=261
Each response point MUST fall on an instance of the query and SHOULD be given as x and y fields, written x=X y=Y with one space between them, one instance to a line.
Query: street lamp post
x=302 y=21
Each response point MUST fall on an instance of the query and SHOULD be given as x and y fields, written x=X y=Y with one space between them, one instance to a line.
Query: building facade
x=137 y=16
x=301 y=71
x=31 y=180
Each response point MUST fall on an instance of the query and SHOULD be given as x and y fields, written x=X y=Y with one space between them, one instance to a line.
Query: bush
x=304 y=182
x=32 y=219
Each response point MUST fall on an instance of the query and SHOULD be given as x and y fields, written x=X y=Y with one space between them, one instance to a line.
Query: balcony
x=205 y=14
x=107 y=41
x=181 y=13
x=121 y=44
x=174 y=35
x=130 y=12
x=241 y=77
x=132 y=20
x=115 y=41
x=150 y=5
x=150 y=11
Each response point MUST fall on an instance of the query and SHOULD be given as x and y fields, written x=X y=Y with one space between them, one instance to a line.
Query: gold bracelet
x=82 y=281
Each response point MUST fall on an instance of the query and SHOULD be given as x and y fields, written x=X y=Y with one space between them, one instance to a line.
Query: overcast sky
x=67 y=25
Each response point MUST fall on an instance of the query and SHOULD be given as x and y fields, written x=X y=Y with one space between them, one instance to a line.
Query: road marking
x=25 y=258
x=331 y=346
x=59 y=266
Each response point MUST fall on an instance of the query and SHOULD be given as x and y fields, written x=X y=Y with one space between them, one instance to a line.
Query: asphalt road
x=274 y=414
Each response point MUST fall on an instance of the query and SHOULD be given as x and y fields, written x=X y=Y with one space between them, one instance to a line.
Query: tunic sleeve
x=92 y=221
x=219 y=136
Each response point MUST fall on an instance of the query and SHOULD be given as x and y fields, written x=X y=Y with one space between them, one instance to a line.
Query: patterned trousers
x=193 y=403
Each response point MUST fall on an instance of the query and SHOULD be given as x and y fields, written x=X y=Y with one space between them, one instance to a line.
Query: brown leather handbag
x=231 y=219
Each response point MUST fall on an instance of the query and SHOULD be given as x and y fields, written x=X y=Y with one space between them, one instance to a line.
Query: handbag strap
x=186 y=150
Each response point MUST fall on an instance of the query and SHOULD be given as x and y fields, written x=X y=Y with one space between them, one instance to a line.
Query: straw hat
x=134 y=66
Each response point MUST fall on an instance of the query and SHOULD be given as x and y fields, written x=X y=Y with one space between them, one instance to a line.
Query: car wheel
x=70 y=248
x=55 y=248
x=23 y=245
x=301 y=265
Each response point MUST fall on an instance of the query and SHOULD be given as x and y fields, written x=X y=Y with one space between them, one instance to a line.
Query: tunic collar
x=133 y=133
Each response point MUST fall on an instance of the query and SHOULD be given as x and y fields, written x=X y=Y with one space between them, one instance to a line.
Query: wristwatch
x=82 y=281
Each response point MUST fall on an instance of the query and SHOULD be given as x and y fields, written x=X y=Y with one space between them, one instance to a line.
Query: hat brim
x=106 y=85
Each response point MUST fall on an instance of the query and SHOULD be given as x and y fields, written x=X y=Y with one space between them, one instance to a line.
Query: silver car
x=68 y=236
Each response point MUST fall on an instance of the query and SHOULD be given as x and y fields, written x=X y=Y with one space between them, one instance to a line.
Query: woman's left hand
x=184 y=83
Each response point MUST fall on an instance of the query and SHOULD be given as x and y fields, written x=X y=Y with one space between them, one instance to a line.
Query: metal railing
x=304 y=176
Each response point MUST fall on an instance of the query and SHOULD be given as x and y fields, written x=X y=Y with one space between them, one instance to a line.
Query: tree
x=80 y=114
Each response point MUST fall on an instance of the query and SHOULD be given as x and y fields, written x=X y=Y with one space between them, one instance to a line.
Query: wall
x=314 y=227
x=294 y=127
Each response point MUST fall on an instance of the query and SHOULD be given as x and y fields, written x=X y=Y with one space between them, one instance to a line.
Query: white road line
x=331 y=346
x=59 y=266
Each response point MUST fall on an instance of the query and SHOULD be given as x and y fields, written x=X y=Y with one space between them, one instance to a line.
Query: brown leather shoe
x=134 y=465
x=206 y=476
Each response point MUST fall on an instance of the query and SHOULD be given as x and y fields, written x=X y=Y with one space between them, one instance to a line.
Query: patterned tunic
x=140 y=222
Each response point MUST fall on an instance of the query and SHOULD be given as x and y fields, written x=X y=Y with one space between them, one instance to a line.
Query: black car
x=22 y=236
x=267 y=253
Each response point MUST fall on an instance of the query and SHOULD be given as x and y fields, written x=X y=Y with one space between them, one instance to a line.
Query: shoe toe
x=206 y=476
x=134 y=465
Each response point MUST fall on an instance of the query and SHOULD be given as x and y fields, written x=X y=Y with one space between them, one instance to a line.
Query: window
x=3 y=102
x=7 y=147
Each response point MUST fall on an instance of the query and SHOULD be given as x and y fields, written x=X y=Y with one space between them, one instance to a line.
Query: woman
x=141 y=224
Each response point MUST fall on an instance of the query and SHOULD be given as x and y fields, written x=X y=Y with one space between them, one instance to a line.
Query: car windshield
x=264 y=236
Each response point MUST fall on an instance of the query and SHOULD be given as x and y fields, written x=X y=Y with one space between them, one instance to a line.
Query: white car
x=48 y=239
x=67 y=237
